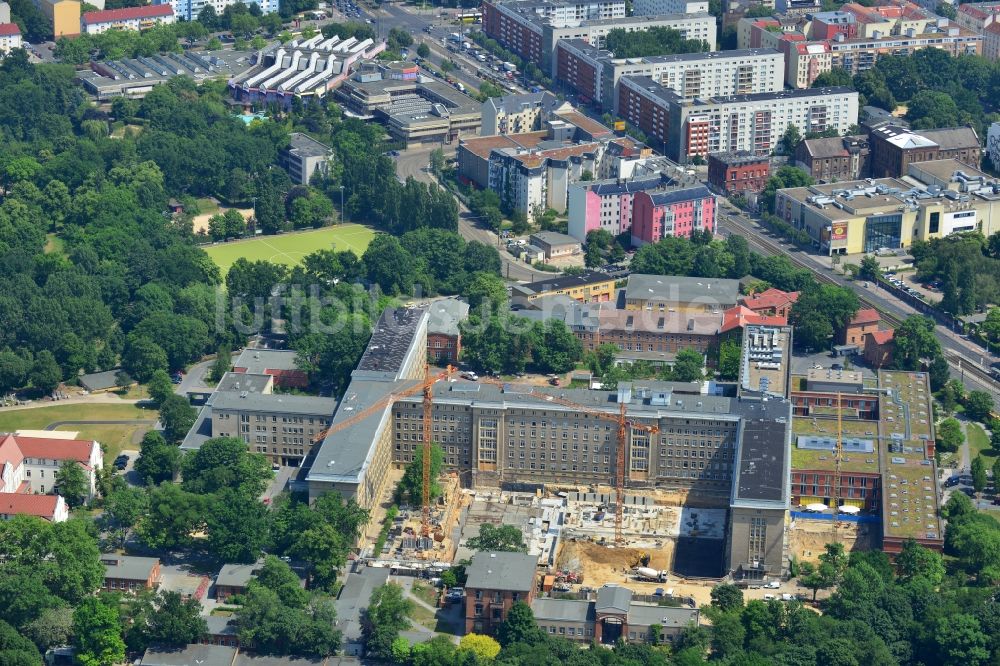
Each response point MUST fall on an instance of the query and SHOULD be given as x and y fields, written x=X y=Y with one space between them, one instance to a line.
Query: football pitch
x=290 y=248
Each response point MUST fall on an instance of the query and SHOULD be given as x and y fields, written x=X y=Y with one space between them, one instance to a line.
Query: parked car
x=121 y=462
x=773 y=585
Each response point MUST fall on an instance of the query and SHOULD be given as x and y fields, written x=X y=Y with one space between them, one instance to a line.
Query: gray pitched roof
x=643 y=615
x=613 y=598
x=446 y=314
x=566 y=610
x=682 y=289
x=237 y=575
x=128 y=566
x=502 y=571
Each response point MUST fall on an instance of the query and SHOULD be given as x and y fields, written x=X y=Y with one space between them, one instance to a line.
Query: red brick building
x=864 y=322
x=514 y=31
x=858 y=488
x=736 y=173
x=125 y=573
x=577 y=72
x=496 y=581
x=879 y=346
x=444 y=337
x=772 y=302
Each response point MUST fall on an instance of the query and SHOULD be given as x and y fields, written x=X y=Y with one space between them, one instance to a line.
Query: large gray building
x=305 y=157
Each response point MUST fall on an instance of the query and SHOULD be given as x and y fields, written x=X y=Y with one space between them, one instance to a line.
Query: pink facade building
x=606 y=204
x=675 y=212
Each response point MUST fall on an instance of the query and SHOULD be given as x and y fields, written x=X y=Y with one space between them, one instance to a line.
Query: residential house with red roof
x=739 y=317
x=879 y=346
x=867 y=320
x=10 y=37
x=773 y=302
x=29 y=462
x=127 y=18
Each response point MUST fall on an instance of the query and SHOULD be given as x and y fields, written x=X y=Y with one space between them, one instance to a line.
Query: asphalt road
x=411 y=162
x=951 y=343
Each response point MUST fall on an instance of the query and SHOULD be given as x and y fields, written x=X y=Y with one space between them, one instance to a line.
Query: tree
x=158 y=461
x=503 y=538
x=15 y=649
x=485 y=648
x=14 y=370
x=237 y=526
x=389 y=265
x=97 y=631
x=556 y=349
x=411 y=485
x=930 y=109
x=978 y=405
x=727 y=597
x=790 y=139
x=914 y=341
x=177 y=416
x=143 y=358
x=276 y=575
x=72 y=483
x=915 y=560
x=45 y=372
x=386 y=615
x=786 y=176
x=176 y=622
x=811 y=577
x=833 y=77
x=123 y=508
x=729 y=360
x=275 y=628
x=961 y=641
x=54 y=627
x=173 y=518
x=160 y=387
x=221 y=364
x=978 y=469
x=688 y=366
x=423 y=50
x=870 y=268
x=224 y=463
x=519 y=627
x=949 y=435
x=487 y=291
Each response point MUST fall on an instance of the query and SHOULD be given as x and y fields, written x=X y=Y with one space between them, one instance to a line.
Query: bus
x=469 y=16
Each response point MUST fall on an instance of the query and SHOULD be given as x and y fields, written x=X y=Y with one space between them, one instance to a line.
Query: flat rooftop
x=565 y=282
x=811 y=459
x=306 y=146
x=677 y=289
x=303 y=405
x=763 y=465
x=765 y=360
x=259 y=360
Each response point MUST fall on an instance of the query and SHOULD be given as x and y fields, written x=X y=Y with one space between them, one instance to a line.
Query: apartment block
x=653 y=7
x=10 y=37
x=670 y=293
x=64 y=14
x=520 y=114
x=188 y=10
x=587 y=287
x=128 y=18
x=751 y=123
x=595 y=73
x=305 y=157
x=677 y=211
x=977 y=16
x=937 y=198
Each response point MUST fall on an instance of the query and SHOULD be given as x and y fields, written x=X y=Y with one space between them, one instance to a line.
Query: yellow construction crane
x=838 y=454
x=426 y=388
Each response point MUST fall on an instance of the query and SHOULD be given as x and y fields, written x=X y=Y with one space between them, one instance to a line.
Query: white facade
x=10 y=37
x=30 y=460
x=652 y=7
x=993 y=144
x=133 y=18
x=188 y=10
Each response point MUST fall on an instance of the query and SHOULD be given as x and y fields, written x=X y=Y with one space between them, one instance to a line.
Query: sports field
x=290 y=248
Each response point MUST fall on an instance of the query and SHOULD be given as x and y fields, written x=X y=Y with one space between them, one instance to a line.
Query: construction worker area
x=652 y=479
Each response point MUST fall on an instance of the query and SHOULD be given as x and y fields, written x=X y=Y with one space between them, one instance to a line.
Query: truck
x=509 y=67
x=650 y=574
x=455 y=37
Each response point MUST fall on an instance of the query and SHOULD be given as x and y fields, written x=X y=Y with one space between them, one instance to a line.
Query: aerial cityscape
x=462 y=332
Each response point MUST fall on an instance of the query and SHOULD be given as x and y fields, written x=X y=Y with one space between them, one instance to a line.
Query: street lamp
x=342 y=203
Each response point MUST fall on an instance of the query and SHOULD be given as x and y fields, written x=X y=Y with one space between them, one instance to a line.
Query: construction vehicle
x=650 y=574
x=426 y=388
x=642 y=560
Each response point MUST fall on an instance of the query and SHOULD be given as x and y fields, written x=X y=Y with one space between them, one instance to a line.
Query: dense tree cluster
x=654 y=41
x=117 y=44
x=968 y=266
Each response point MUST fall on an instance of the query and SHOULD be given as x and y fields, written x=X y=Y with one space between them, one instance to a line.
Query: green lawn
x=289 y=249
x=113 y=437
x=979 y=443
x=54 y=244
x=207 y=205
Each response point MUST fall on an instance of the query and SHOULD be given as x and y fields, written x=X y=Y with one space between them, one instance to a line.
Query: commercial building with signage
x=937 y=198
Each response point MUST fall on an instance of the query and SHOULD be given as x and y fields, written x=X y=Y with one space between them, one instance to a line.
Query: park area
x=117 y=427
x=290 y=248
